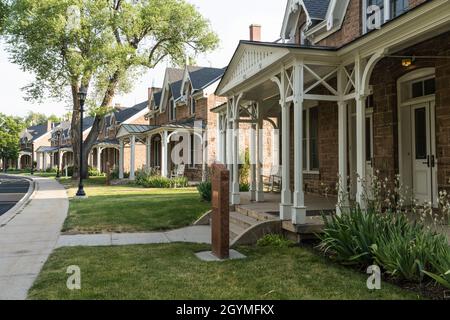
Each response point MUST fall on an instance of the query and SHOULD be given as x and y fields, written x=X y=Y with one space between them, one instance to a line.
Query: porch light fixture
x=407 y=62
x=82 y=94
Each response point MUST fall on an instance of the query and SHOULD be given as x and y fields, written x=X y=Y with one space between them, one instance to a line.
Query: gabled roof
x=37 y=131
x=128 y=113
x=133 y=129
x=317 y=9
x=201 y=77
x=174 y=79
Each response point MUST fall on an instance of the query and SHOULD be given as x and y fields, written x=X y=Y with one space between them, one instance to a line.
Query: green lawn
x=130 y=209
x=171 y=271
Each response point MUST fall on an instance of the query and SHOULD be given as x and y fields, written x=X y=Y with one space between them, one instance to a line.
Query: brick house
x=56 y=143
x=31 y=140
x=178 y=114
x=351 y=98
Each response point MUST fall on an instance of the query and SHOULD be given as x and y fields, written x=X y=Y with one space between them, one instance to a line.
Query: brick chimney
x=255 y=32
x=49 y=125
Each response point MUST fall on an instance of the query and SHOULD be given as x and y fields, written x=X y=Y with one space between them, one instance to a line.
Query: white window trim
x=172 y=110
x=387 y=14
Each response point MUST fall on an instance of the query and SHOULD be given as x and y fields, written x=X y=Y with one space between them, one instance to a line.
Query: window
x=172 y=110
x=192 y=104
x=311 y=139
x=156 y=153
x=396 y=8
x=423 y=88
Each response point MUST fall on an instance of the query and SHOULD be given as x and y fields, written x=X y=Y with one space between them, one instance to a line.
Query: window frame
x=386 y=14
x=307 y=140
x=172 y=110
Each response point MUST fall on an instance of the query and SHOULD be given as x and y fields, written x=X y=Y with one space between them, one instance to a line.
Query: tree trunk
x=75 y=131
x=99 y=121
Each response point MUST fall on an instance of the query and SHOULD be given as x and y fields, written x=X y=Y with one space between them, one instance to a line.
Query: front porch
x=343 y=116
x=269 y=210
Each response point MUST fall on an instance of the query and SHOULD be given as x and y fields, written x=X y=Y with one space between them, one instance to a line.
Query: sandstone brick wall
x=351 y=27
x=326 y=179
x=384 y=81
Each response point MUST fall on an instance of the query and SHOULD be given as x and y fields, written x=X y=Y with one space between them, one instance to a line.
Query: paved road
x=12 y=189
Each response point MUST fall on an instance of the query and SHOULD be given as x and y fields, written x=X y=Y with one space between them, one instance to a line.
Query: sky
x=230 y=19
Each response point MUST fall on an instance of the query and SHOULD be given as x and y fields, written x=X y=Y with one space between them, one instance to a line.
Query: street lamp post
x=81 y=98
x=32 y=158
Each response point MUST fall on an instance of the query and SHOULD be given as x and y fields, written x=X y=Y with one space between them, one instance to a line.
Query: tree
x=101 y=46
x=3 y=13
x=10 y=129
x=34 y=119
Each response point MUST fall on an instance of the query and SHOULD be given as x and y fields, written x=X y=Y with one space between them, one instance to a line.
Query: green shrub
x=51 y=170
x=274 y=240
x=244 y=187
x=402 y=249
x=205 y=190
x=180 y=182
x=94 y=172
x=440 y=263
x=147 y=179
x=348 y=238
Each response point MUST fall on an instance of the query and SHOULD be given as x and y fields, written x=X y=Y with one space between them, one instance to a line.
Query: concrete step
x=242 y=220
x=260 y=217
x=236 y=230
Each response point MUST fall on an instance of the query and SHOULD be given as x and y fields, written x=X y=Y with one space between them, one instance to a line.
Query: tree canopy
x=35 y=118
x=10 y=129
x=100 y=45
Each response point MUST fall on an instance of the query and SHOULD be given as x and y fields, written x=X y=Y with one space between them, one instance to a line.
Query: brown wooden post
x=220 y=224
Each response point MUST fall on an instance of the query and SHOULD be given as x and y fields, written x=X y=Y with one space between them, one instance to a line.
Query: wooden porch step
x=236 y=230
x=259 y=216
x=242 y=220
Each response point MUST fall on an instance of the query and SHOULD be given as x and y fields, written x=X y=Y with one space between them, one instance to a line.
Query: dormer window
x=172 y=110
x=192 y=104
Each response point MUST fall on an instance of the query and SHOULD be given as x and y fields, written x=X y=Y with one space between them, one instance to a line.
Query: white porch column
x=286 y=194
x=360 y=149
x=298 y=209
x=259 y=156
x=148 y=153
x=38 y=161
x=132 y=157
x=121 y=159
x=99 y=159
x=343 y=156
x=253 y=163
x=236 y=196
x=44 y=161
x=164 y=155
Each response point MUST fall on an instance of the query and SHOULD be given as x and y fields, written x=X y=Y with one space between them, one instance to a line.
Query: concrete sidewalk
x=194 y=234
x=27 y=240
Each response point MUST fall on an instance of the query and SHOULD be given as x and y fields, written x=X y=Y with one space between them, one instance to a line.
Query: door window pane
x=421 y=134
x=417 y=89
x=430 y=86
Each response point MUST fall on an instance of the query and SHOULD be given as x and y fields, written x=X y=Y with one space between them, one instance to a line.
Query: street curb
x=11 y=213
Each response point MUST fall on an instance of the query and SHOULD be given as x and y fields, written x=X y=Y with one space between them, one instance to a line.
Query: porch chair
x=274 y=180
x=179 y=172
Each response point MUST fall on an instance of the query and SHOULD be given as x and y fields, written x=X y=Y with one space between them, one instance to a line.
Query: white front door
x=423 y=152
